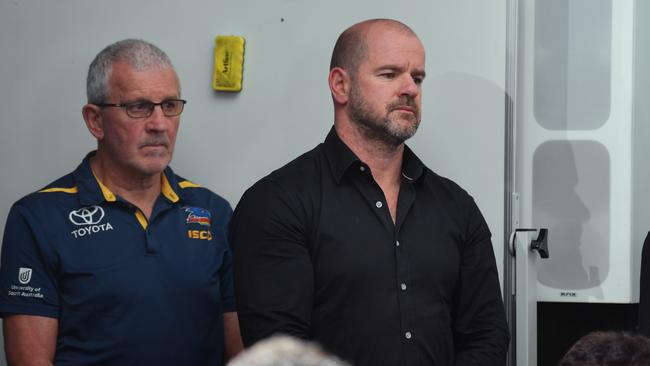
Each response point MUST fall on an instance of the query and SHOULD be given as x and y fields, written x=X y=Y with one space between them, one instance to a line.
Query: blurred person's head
x=608 y=349
x=285 y=351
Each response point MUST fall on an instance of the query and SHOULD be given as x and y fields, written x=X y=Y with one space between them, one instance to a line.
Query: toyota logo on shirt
x=90 y=215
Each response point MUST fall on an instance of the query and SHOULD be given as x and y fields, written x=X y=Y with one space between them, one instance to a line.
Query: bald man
x=356 y=244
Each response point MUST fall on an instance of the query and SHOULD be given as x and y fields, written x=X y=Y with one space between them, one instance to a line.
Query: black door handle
x=541 y=243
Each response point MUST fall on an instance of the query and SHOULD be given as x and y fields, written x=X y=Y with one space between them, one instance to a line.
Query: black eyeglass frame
x=146 y=102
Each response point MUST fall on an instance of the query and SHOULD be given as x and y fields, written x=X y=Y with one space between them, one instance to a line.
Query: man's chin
x=403 y=130
x=154 y=165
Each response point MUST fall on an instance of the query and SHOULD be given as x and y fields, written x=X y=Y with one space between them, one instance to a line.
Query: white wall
x=228 y=141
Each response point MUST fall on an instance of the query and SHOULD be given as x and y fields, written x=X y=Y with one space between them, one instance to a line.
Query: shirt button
x=407 y=335
x=403 y=286
x=397 y=243
x=362 y=168
x=379 y=204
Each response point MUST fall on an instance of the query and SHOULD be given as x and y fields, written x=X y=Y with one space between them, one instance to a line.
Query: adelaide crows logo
x=197 y=215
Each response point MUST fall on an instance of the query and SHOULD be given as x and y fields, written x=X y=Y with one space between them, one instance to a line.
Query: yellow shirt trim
x=167 y=190
x=188 y=184
x=141 y=219
x=108 y=195
x=65 y=190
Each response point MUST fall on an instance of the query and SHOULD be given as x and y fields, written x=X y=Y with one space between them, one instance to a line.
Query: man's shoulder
x=301 y=172
x=196 y=193
x=299 y=168
x=58 y=191
x=46 y=207
x=446 y=189
x=297 y=181
x=446 y=184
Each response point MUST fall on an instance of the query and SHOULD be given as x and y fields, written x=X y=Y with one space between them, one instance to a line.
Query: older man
x=121 y=262
x=358 y=245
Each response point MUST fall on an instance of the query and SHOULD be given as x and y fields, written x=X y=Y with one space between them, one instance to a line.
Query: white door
x=573 y=166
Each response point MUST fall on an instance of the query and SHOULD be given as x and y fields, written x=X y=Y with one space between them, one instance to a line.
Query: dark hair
x=641 y=359
x=607 y=349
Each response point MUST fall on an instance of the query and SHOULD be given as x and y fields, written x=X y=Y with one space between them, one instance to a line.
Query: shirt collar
x=168 y=183
x=341 y=158
x=339 y=155
x=92 y=191
x=412 y=166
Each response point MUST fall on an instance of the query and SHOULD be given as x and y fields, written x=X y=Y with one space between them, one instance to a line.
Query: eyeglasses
x=144 y=109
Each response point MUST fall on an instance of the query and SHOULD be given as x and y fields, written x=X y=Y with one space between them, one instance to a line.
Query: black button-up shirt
x=318 y=256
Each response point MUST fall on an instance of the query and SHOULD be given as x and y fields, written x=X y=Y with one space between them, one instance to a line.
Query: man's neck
x=141 y=191
x=384 y=160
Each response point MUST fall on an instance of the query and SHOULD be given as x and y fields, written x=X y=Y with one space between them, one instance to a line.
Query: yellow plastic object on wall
x=228 y=63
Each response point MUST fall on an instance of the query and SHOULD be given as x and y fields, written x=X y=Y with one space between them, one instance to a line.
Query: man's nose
x=409 y=86
x=157 y=121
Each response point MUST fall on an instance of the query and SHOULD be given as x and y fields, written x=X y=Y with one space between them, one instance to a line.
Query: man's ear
x=339 y=82
x=94 y=121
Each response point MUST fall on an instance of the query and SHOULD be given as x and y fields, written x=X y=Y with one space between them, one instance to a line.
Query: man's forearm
x=30 y=340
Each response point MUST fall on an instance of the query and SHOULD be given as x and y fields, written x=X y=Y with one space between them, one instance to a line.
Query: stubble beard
x=381 y=127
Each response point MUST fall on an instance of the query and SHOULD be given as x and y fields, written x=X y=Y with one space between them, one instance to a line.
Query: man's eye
x=388 y=75
x=139 y=107
x=418 y=80
x=169 y=104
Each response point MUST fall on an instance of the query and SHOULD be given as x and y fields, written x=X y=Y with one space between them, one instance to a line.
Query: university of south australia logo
x=89 y=218
x=24 y=275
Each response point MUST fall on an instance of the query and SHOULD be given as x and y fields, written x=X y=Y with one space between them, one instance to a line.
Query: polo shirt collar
x=170 y=186
x=341 y=158
x=92 y=191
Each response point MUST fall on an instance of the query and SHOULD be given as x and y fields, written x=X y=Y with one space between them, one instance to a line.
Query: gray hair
x=285 y=351
x=139 y=54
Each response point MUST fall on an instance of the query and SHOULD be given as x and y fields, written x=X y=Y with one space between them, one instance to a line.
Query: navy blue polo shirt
x=125 y=290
